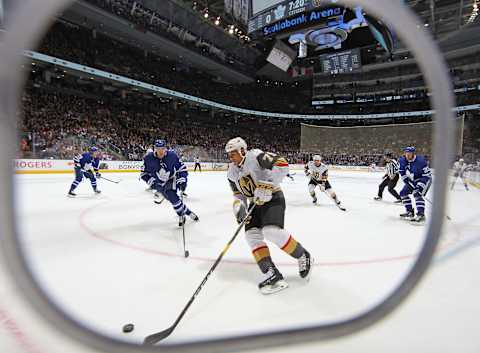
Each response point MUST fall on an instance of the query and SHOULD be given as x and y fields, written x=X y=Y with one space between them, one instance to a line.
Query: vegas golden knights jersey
x=257 y=166
x=316 y=173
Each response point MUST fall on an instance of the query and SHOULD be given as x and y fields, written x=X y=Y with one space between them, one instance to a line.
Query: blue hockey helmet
x=160 y=143
x=93 y=149
x=409 y=149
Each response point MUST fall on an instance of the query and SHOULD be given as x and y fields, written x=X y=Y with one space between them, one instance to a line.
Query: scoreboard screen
x=261 y=5
x=267 y=12
x=343 y=62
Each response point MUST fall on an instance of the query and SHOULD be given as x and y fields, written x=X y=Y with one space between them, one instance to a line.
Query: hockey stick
x=331 y=198
x=112 y=181
x=157 y=337
x=431 y=203
x=185 y=251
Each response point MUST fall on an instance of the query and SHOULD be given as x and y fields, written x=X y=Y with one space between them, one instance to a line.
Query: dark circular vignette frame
x=27 y=24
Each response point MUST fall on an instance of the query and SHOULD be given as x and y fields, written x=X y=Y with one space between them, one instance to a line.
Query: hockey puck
x=128 y=328
x=187 y=254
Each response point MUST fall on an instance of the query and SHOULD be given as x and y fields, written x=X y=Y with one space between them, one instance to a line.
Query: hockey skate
x=96 y=191
x=398 y=202
x=305 y=263
x=377 y=198
x=193 y=217
x=418 y=219
x=158 y=198
x=339 y=204
x=71 y=194
x=273 y=283
x=314 y=200
x=183 y=219
x=407 y=215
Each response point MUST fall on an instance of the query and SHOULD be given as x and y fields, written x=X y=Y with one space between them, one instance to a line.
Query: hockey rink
x=117 y=258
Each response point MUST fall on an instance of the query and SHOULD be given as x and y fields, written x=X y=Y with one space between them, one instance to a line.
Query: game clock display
x=283 y=10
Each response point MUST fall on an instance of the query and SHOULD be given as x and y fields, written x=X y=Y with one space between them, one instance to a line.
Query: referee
x=197 y=164
x=390 y=179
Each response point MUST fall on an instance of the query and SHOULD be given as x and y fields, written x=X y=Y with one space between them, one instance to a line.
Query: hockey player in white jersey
x=255 y=176
x=459 y=170
x=318 y=173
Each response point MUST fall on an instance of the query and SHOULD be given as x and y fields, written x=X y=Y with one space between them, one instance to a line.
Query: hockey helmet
x=317 y=157
x=410 y=149
x=160 y=143
x=236 y=144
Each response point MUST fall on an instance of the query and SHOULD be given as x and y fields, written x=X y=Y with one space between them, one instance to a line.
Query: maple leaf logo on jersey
x=279 y=12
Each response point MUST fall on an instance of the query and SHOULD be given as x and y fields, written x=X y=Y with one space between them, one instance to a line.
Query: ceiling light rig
x=217 y=21
x=474 y=13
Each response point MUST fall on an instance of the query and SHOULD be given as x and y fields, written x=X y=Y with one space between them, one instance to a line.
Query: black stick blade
x=157 y=337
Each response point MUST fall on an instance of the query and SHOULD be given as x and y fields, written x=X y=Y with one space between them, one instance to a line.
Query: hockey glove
x=240 y=211
x=98 y=175
x=421 y=188
x=90 y=173
x=263 y=192
x=408 y=182
x=181 y=184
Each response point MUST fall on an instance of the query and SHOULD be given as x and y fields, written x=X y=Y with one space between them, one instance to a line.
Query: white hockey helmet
x=461 y=160
x=236 y=144
x=317 y=157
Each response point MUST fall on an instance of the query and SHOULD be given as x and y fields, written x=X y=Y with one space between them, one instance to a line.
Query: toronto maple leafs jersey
x=86 y=162
x=166 y=170
x=316 y=173
x=416 y=170
x=257 y=166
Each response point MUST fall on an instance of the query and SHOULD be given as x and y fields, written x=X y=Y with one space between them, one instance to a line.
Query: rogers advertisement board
x=42 y=165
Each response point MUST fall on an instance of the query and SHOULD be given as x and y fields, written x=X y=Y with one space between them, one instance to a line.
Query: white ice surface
x=117 y=258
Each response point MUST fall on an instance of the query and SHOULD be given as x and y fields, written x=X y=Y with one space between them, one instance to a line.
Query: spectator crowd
x=57 y=125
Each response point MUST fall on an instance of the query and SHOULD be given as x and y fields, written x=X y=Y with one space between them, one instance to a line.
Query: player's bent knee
x=254 y=237
x=276 y=235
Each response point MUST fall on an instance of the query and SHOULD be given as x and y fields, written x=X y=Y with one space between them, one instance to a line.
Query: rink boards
x=57 y=166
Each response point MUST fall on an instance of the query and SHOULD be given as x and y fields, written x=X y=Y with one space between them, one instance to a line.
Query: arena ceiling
x=445 y=16
x=451 y=23
x=441 y=16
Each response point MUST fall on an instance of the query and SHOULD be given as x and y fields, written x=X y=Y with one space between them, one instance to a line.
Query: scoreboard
x=283 y=10
x=343 y=62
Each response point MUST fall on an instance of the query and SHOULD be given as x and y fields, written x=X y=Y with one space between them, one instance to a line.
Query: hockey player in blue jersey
x=166 y=174
x=86 y=165
x=416 y=175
